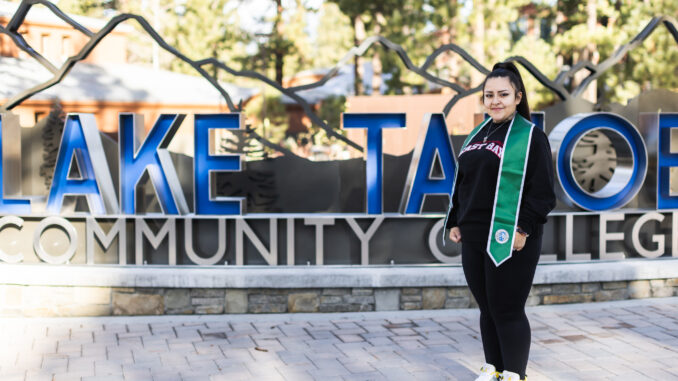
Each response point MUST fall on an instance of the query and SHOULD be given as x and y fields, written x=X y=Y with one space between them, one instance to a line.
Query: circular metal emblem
x=501 y=236
x=595 y=158
x=601 y=160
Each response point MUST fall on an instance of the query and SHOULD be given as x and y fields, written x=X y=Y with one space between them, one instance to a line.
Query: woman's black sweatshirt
x=473 y=197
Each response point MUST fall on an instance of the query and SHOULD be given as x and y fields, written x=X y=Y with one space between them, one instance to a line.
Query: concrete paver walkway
x=637 y=340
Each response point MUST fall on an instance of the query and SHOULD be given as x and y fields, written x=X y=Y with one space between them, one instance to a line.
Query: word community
x=275 y=241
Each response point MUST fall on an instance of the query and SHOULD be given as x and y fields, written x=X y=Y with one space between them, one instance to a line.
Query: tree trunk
x=278 y=54
x=376 y=59
x=450 y=63
x=590 y=53
x=358 y=37
x=478 y=43
x=492 y=34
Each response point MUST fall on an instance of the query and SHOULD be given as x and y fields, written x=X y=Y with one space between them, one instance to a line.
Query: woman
x=502 y=194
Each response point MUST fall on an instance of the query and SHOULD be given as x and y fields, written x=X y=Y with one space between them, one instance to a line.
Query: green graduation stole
x=508 y=193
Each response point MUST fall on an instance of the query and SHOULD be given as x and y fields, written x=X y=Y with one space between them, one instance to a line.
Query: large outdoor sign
x=135 y=202
x=110 y=229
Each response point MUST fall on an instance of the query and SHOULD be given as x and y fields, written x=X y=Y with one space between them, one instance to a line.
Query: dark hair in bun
x=510 y=71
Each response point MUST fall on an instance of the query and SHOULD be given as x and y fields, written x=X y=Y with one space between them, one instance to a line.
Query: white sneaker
x=510 y=376
x=488 y=373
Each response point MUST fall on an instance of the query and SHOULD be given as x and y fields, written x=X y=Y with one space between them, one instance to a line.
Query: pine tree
x=334 y=37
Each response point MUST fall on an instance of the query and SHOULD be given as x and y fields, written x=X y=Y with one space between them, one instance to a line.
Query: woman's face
x=500 y=99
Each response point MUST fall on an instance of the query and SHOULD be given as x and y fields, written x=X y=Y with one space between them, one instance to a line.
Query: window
x=66 y=47
x=44 y=42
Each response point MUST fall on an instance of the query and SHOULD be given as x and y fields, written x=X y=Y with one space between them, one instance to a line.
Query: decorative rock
x=608 y=295
x=472 y=302
x=331 y=299
x=38 y=311
x=147 y=290
x=84 y=310
x=570 y=288
x=207 y=292
x=137 y=304
x=533 y=300
x=571 y=298
x=433 y=298
x=236 y=301
x=92 y=295
x=458 y=292
x=410 y=298
x=365 y=299
x=208 y=305
x=614 y=285
x=39 y=296
x=13 y=296
x=207 y=301
x=267 y=308
x=639 y=289
x=410 y=291
x=660 y=288
x=361 y=308
x=457 y=303
x=102 y=301
x=590 y=287
x=178 y=301
x=265 y=298
x=336 y=291
x=663 y=292
x=209 y=309
x=410 y=306
x=336 y=308
x=387 y=299
x=541 y=290
x=303 y=302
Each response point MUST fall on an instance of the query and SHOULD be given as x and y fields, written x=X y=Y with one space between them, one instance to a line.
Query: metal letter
x=433 y=143
x=106 y=239
x=365 y=237
x=188 y=243
x=67 y=228
x=628 y=176
x=10 y=170
x=659 y=239
x=17 y=222
x=374 y=123
x=319 y=238
x=151 y=156
x=605 y=236
x=206 y=164
x=538 y=118
x=81 y=146
x=290 y=242
x=433 y=245
x=570 y=255
x=168 y=229
x=665 y=161
x=271 y=256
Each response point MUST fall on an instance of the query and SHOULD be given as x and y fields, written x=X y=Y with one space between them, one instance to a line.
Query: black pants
x=501 y=293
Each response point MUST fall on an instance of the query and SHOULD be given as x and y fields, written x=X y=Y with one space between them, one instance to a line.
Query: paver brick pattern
x=627 y=340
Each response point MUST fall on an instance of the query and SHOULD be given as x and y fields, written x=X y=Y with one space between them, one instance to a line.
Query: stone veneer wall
x=18 y=300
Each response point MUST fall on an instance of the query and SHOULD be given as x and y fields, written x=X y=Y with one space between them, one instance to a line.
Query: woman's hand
x=519 y=242
x=455 y=234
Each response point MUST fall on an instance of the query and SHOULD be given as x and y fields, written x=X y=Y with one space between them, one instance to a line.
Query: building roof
x=340 y=84
x=115 y=83
x=42 y=14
